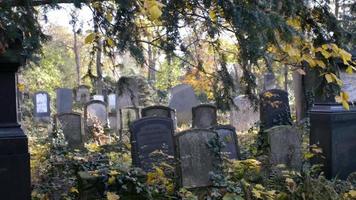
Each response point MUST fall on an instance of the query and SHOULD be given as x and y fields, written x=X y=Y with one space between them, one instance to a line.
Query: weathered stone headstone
x=83 y=94
x=204 y=116
x=96 y=111
x=127 y=93
x=269 y=81
x=285 y=146
x=42 y=111
x=64 y=100
x=99 y=97
x=72 y=127
x=113 y=121
x=112 y=103
x=349 y=85
x=158 y=111
x=227 y=135
x=274 y=109
x=148 y=136
x=244 y=116
x=127 y=116
x=183 y=99
x=195 y=157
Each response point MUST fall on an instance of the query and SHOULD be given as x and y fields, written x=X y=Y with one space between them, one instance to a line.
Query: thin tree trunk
x=300 y=104
x=286 y=77
x=99 y=71
x=151 y=64
x=337 y=7
x=76 y=54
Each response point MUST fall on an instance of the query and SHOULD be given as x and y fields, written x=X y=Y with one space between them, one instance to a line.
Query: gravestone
x=204 y=116
x=195 y=157
x=227 y=135
x=269 y=81
x=99 y=97
x=332 y=128
x=349 y=85
x=96 y=110
x=158 y=111
x=274 y=109
x=72 y=127
x=244 y=116
x=150 y=135
x=127 y=93
x=83 y=94
x=64 y=100
x=113 y=121
x=14 y=155
x=127 y=116
x=112 y=103
x=183 y=99
x=285 y=146
x=42 y=111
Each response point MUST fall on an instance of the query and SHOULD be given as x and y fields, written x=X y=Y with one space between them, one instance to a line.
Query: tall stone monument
x=15 y=180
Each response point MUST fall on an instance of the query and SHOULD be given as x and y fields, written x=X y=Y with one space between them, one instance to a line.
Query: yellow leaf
x=336 y=79
x=212 y=15
x=309 y=60
x=349 y=70
x=111 y=180
x=109 y=17
x=110 y=42
x=345 y=56
x=328 y=78
x=89 y=38
x=352 y=193
x=320 y=63
x=73 y=190
x=346 y=105
x=112 y=196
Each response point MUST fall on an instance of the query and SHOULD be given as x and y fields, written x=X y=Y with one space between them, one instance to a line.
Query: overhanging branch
x=38 y=2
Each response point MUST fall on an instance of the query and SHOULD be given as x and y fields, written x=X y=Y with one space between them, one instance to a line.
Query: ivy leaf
x=110 y=42
x=89 y=38
x=232 y=196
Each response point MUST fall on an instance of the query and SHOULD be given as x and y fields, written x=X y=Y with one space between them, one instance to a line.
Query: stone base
x=15 y=182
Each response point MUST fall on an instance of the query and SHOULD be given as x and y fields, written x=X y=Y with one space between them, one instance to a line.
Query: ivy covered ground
x=105 y=172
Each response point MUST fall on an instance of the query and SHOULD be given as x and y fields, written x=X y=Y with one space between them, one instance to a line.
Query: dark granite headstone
x=42 y=111
x=204 y=116
x=64 y=100
x=15 y=180
x=72 y=127
x=333 y=129
x=96 y=110
x=285 y=146
x=150 y=135
x=227 y=135
x=195 y=157
x=274 y=109
x=83 y=94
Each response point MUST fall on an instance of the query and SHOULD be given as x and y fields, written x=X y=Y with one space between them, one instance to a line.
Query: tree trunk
x=76 y=54
x=99 y=71
x=300 y=104
x=286 y=78
x=151 y=64
x=337 y=7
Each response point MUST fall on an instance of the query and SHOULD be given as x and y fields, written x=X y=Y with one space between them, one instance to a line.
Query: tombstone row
x=153 y=138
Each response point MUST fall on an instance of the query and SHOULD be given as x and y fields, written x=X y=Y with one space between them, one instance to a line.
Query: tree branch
x=38 y=2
